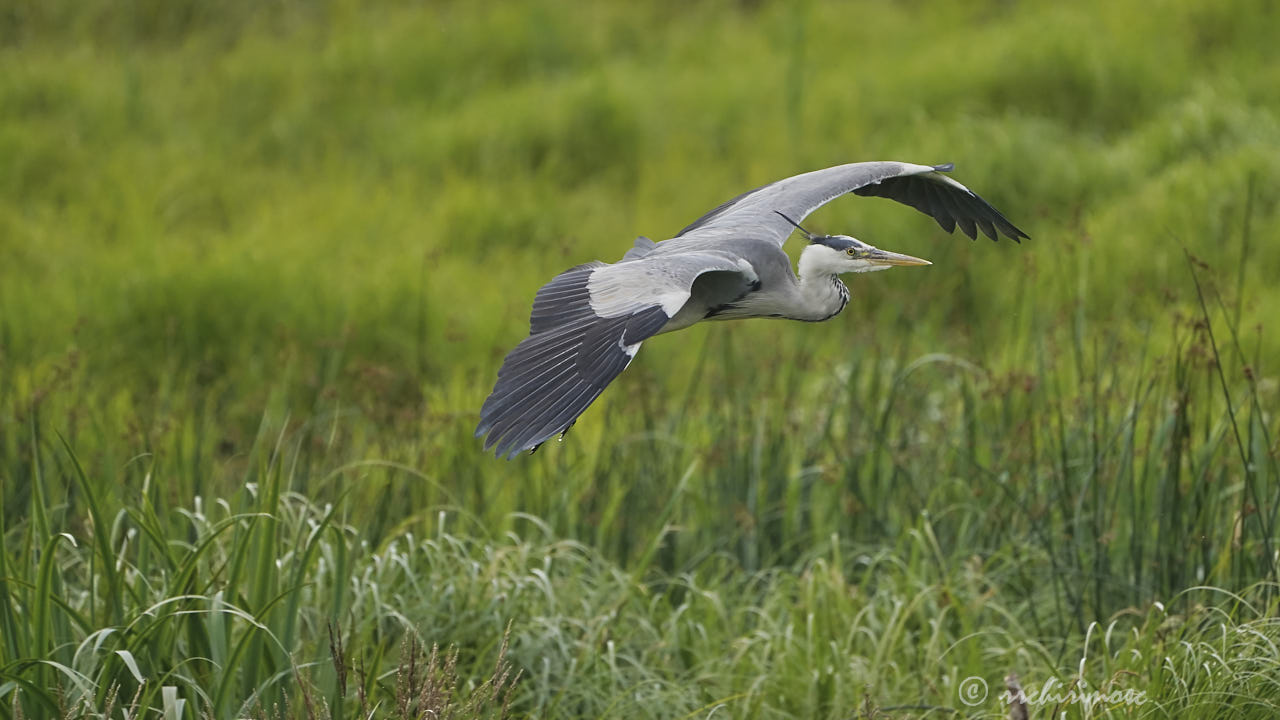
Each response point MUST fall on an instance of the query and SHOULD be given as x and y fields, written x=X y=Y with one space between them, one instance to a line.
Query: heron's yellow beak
x=884 y=257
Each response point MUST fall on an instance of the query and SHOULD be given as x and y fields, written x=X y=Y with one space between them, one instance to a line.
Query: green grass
x=259 y=264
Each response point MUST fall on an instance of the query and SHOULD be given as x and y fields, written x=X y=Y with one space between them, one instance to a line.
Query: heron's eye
x=852 y=252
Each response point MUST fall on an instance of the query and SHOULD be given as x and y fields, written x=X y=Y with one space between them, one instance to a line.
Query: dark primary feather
x=755 y=213
x=553 y=375
x=946 y=203
x=563 y=300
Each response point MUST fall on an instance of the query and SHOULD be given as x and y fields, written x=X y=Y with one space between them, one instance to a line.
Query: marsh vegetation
x=260 y=262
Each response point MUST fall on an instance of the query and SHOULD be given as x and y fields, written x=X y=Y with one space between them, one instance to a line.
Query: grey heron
x=588 y=323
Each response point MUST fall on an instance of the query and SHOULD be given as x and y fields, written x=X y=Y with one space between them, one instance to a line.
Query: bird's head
x=843 y=254
x=838 y=254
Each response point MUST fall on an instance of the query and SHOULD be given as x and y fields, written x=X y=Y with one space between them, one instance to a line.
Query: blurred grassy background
x=244 y=241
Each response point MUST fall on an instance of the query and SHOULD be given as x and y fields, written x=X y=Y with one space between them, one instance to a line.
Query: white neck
x=820 y=294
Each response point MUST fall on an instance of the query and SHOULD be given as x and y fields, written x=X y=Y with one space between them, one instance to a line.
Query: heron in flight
x=589 y=321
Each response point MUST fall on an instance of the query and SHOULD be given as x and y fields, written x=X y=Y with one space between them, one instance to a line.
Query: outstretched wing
x=587 y=325
x=923 y=187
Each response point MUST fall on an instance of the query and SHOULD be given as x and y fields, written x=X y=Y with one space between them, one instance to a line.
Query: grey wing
x=643 y=247
x=923 y=187
x=586 y=326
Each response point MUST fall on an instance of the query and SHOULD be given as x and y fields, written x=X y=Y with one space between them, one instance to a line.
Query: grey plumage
x=642 y=247
x=569 y=357
x=923 y=187
x=588 y=322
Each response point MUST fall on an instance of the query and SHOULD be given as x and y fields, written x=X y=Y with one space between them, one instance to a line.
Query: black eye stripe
x=838 y=243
